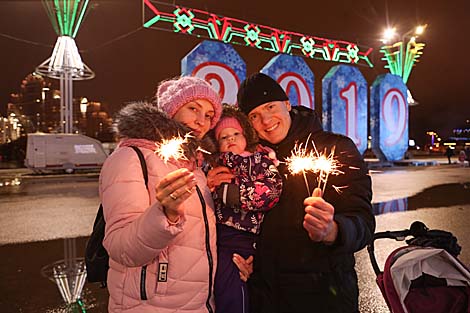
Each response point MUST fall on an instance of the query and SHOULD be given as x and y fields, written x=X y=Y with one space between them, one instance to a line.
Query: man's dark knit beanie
x=259 y=89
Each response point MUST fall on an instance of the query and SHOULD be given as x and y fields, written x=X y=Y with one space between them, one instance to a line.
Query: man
x=449 y=153
x=305 y=254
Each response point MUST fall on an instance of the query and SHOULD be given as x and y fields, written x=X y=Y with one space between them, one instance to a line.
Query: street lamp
x=83 y=109
x=83 y=106
x=400 y=58
x=433 y=135
x=43 y=105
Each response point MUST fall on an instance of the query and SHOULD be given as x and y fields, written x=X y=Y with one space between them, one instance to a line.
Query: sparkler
x=172 y=148
x=302 y=161
x=325 y=166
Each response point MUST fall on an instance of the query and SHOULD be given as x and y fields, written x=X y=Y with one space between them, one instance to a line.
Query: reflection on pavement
x=437 y=196
x=10 y=182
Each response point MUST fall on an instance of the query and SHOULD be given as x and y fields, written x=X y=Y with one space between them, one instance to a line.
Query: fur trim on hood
x=141 y=120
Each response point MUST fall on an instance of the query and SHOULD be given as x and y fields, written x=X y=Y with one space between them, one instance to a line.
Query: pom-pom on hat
x=259 y=89
x=174 y=93
x=226 y=122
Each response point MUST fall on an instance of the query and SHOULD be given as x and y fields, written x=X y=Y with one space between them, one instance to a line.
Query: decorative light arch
x=178 y=19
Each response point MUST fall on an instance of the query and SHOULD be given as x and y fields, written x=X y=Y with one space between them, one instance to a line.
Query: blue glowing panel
x=294 y=75
x=389 y=117
x=219 y=64
x=345 y=104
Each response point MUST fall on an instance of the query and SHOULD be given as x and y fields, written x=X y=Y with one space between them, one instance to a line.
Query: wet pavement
x=25 y=289
x=37 y=212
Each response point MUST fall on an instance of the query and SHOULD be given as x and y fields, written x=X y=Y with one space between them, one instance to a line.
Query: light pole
x=83 y=109
x=401 y=58
x=433 y=135
x=43 y=109
x=83 y=106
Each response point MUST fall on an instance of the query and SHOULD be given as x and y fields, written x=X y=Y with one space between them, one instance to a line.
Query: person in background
x=462 y=157
x=241 y=205
x=449 y=153
x=304 y=259
x=161 y=241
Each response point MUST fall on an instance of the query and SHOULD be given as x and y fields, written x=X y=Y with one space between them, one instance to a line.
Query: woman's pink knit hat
x=174 y=93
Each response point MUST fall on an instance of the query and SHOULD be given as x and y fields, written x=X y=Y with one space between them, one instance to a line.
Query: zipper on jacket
x=143 y=277
x=249 y=168
x=208 y=248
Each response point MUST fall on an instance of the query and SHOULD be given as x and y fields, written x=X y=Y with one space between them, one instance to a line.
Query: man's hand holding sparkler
x=173 y=190
x=318 y=219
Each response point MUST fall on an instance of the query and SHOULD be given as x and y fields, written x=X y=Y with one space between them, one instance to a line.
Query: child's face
x=233 y=140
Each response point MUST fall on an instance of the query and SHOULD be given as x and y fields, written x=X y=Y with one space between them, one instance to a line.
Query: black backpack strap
x=96 y=256
x=143 y=164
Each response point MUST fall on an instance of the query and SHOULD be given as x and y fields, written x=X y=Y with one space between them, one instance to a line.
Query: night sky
x=129 y=60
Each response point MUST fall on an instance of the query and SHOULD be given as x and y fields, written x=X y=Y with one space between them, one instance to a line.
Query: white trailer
x=67 y=152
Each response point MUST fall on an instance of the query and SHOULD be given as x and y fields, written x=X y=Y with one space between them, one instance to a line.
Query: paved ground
x=32 y=221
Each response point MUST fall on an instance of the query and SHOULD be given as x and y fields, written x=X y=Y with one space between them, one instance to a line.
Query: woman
x=161 y=241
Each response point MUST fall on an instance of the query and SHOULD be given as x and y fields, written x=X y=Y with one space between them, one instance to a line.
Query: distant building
x=11 y=128
x=97 y=122
x=37 y=108
x=460 y=138
x=3 y=130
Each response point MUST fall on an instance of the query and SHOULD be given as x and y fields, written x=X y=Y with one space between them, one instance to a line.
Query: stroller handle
x=417 y=228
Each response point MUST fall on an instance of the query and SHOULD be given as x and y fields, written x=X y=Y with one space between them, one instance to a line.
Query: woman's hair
x=248 y=130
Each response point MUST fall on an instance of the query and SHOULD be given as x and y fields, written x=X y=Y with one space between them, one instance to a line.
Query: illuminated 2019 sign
x=344 y=106
x=203 y=24
x=344 y=95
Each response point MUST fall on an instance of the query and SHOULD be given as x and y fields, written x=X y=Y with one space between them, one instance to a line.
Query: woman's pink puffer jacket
x=155 y=266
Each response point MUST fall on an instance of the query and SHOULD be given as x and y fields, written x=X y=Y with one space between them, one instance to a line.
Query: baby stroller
x=425 y=275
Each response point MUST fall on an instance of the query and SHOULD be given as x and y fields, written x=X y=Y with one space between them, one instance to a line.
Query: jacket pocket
x=143 y=280
x=139 y=284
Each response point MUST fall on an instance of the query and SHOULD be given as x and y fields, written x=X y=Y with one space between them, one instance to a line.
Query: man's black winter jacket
x=293 y=273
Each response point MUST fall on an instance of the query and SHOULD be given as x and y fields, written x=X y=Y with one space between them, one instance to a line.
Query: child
x=241 y=205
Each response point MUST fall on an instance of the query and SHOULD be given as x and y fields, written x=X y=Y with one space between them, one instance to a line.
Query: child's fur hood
x=141 y=120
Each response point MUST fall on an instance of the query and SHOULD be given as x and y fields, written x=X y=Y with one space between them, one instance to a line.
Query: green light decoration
x=65 y=15
x=183 y=21
x=400 y=60
x=252 y=35
x=202 y=24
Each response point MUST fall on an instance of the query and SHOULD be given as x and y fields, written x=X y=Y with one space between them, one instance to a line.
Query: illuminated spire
x=65 y=63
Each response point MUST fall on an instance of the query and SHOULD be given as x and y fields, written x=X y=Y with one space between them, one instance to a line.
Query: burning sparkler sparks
x=302 y=161
x=325 y=166
x=172 y=148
